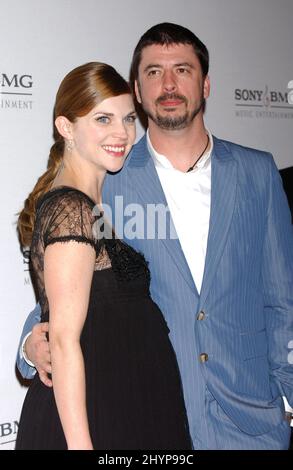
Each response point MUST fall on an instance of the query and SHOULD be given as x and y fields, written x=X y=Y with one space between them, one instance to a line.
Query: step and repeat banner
x=251 y=49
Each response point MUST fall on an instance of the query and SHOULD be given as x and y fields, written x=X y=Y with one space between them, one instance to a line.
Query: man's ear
x=137 y=91
x=64 y=127
x=206 y=87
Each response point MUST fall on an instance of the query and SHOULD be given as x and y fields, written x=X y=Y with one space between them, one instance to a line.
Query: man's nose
x=169 y=81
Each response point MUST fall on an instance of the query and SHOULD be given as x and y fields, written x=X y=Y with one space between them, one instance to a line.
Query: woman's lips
x=115 y=150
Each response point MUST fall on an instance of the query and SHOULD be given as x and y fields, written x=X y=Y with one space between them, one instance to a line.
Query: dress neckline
x=66 y=189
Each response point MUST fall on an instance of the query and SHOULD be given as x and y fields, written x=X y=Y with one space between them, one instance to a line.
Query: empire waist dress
x=134 y=396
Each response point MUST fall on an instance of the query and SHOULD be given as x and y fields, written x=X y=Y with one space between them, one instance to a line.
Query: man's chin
x=169 y=109
x=171 y=123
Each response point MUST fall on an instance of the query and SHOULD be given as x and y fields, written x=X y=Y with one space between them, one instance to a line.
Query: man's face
x=170 y=85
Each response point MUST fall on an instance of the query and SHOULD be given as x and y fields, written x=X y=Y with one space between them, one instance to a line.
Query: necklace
x=191 y=168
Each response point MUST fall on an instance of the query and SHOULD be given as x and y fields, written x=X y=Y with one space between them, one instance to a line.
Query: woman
x=115 y=378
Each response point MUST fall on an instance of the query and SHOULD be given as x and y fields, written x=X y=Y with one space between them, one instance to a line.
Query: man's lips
x=171 y=103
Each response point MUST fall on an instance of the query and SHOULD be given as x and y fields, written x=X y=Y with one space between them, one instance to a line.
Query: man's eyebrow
x=160 y=66
x=151 y=66
x=184 y=64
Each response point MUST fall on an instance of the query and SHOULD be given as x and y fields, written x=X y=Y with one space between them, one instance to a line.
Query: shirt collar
x=161 y=161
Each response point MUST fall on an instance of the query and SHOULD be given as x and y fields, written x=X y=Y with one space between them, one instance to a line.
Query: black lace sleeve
x=68 y=216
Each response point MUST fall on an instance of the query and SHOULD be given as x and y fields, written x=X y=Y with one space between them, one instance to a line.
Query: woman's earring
x=69 y=145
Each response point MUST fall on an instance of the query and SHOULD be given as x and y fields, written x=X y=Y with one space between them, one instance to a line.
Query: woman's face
x=106 y=134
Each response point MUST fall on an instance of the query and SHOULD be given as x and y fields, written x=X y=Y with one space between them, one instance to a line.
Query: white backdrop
x=251 y=48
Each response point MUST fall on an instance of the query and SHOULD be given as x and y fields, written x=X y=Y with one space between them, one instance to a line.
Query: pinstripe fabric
x=246 y=293
x=34 y=317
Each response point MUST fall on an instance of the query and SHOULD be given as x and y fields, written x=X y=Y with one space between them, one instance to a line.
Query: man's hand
x=38 y=351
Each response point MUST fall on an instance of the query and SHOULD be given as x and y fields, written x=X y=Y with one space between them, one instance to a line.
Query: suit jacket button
x=201 y=315
x=203 y=357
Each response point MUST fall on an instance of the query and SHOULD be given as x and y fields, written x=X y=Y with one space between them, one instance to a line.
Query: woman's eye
x=103 y=119
x=131 y=118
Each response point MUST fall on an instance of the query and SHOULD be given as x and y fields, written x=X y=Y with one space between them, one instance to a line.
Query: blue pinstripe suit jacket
x=247 y=289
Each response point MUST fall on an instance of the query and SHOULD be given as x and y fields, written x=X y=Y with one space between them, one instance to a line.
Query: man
x=225 y=283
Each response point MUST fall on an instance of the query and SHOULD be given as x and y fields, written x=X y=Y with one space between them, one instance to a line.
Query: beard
x=176 y=122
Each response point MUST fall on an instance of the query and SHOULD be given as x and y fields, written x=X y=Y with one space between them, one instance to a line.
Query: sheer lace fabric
x=64 y=215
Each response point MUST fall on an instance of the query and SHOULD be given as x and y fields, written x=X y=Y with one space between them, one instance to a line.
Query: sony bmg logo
x=266 y=97
x=10 y=83
x=8 y=431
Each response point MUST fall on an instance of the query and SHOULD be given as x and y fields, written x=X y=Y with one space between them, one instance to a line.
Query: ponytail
x=26 y=219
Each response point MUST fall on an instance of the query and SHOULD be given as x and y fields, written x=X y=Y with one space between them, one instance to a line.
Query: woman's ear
x=64 y=127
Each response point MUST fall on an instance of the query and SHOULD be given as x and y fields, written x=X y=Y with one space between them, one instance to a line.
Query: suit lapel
x=223 y=193
x=145 y=181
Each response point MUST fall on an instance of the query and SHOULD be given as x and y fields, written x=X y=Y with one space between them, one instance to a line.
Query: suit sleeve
x=34 y=317
x=277 y=275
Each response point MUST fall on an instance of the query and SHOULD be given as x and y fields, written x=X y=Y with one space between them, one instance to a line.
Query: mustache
x=171 y=96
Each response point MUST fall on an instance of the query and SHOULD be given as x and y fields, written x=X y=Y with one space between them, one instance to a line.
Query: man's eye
x=182 y=70
x=153 y=73
x=103 y=119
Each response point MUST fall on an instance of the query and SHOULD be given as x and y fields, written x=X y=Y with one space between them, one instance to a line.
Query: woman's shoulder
x=64 y=214
x=65 y=197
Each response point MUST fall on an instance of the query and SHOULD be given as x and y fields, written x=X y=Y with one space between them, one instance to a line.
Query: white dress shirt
x=189 y=199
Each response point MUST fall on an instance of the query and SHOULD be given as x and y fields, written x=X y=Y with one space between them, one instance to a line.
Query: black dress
x=134 y=394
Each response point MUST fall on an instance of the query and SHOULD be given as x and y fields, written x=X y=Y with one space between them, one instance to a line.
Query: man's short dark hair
x=167 y=34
